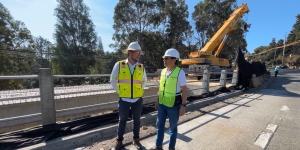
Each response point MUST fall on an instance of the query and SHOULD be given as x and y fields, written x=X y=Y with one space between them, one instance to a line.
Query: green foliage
x=16 y=49
x=176 y=14
x=294 y=34
x=164 y=23
x=44 y=49
x=132 y=16
x=76 y=40
x=260 y=49
x=273 y=43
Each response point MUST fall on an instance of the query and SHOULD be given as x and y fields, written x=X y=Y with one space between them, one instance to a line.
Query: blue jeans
x=163 y=113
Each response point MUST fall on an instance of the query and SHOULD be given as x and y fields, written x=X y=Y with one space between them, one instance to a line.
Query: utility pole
x=274 y=61
x=284 y=47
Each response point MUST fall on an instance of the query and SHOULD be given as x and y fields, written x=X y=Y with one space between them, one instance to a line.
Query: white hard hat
x=172 y=53
x=133 y=46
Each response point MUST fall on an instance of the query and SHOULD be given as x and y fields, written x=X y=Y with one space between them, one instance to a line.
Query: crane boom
x=204 y=56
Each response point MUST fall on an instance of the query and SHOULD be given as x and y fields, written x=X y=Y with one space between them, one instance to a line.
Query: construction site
x=227 y=97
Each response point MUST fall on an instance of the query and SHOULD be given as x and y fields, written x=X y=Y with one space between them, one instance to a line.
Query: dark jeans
x=124 y=109
x=276 y=72
x=163 y=113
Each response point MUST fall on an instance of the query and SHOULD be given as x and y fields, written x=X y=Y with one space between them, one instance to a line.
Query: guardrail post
x=205 y=82
x=47 y=96
x=223 y=78
x=235 y=77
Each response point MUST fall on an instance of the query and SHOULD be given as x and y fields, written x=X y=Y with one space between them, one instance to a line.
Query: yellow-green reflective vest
x=130 y=85
x=167 y=88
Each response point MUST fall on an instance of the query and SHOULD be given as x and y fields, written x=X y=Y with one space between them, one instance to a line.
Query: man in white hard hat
x=128 y=79
x=172 y=98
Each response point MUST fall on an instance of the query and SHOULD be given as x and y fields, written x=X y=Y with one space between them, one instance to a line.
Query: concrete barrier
x=27 y=108
x=255 y=82
x=22 y=115
x=13 y=116
x=78 y=140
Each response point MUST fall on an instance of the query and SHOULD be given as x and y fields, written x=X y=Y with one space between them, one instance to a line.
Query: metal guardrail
x=81 y=76
x=220 y=73
x=77 y=76
x=19 y=77
x=95 y=75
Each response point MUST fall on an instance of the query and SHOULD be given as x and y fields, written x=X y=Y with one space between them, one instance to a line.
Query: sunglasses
x=167 y=58
x=139 y=52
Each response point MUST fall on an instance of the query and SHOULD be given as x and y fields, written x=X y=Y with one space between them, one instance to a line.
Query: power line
x=293 y=43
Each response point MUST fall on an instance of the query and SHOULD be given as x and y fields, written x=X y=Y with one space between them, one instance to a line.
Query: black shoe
x=137 y=144
x=171 y=148
x=118 y=145
x=156 y=148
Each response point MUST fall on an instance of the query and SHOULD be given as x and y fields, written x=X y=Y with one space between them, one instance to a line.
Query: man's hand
x=156 y=104
x=182 y=111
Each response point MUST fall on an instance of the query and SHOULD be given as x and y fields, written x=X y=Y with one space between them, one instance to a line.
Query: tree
x=273 y=43
x=16 y=49
x=43 y=51
x=295 y=32
x=270 y=55
x=100 y=48
x=76 y=40
x=280 y=43
x=189 y=39
x=131 y=16
x=294 y=35
x=260 y=49
x=156 y=42
x=177 y=26
x=100 y=56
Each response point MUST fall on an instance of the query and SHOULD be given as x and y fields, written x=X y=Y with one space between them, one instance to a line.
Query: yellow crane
x=204 y=58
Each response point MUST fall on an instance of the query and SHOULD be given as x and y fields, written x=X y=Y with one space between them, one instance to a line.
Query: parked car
x=283 y=66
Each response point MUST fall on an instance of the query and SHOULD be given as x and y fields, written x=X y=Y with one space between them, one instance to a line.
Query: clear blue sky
x=269 y=18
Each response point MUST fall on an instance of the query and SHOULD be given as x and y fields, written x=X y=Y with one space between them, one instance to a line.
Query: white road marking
x=284 y=108
x=272 y=127
x=263 y=139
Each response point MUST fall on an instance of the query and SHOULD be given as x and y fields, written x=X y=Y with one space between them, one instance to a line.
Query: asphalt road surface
x=268 y=119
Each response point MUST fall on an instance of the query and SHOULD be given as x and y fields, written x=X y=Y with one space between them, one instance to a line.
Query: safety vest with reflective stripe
x=130 y=85
x=168 y=88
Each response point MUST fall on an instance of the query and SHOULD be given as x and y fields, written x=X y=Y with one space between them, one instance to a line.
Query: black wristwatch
x=184 y=105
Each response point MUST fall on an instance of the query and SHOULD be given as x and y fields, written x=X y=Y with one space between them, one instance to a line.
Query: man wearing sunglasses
x=171 y=102
x=128 y=79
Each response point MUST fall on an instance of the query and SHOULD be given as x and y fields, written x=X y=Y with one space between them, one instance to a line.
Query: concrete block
x=47 y=96
x=205 y=82
x=261 y=79
x=235 y=77
x=194 y=90
x=223 y=78
x=256 y=82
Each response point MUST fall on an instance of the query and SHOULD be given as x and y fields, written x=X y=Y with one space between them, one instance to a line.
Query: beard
x=135 y=59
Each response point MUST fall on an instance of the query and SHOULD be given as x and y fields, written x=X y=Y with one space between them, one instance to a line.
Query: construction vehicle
x=204 y=59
